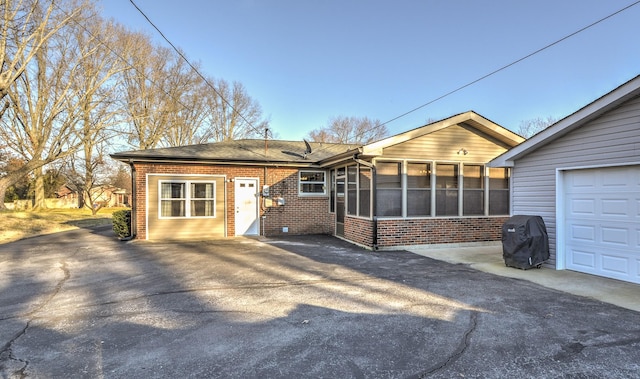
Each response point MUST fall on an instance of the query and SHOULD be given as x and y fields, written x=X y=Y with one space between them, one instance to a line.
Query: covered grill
x=525 y=243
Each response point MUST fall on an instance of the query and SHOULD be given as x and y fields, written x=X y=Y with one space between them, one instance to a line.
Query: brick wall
x=358 y=230
x=301 y=215
x=439 y=231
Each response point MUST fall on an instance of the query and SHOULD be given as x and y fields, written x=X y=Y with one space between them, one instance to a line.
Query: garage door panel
x=582 y=206
x=583 y=233
x=615 y=207
x=581 y=259
x=602 y=218
x=581 y=181
x=616 y=179
x=615 y=265
x=615 y=236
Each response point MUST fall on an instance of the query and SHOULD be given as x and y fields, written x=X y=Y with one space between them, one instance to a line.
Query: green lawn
x=15 y=225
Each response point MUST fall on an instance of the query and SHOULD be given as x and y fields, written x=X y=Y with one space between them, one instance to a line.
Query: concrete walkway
x=489 y=259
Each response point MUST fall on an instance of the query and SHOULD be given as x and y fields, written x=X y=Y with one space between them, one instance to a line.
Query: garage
x=602 y=224
x=582 y=176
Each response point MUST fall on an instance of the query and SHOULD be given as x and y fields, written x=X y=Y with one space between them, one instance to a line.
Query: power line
x=195 y=69
x=512 y=63
x=123 y=59
x=503 y=67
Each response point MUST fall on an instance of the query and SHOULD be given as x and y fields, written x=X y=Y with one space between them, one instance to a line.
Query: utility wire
x=503 y=67
x=123 y=59
x=130 y=66
x=512 y=63
x=195 y=69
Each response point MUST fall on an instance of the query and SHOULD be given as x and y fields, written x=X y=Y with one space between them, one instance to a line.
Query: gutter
x=307 y=164
x=373 y=198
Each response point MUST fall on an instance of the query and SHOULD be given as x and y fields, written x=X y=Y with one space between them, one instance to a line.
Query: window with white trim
x=312 y=183
x=187 y=199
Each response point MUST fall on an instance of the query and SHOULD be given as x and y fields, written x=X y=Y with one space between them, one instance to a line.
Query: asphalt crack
x=457 y=353
x=6 y=353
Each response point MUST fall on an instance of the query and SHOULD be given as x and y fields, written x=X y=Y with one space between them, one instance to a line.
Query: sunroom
x=430 y=185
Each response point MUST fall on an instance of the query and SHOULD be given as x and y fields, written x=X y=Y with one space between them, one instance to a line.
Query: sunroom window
x=473 y=190
x=498 y=191
x=446 y=189
x=389 y=189
x=418 y=189
x=431 y=188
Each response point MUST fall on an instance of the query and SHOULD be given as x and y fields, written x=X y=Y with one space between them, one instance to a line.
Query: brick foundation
x=439 y=231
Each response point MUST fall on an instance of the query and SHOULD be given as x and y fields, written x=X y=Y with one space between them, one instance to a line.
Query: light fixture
x=463 y=151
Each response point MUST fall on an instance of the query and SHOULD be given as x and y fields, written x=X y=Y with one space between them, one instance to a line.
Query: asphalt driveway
x=81 y=304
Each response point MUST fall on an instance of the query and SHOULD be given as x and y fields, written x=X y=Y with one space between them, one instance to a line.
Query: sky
x=306 y=61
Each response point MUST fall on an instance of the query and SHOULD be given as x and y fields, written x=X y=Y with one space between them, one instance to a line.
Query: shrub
x=122 y=223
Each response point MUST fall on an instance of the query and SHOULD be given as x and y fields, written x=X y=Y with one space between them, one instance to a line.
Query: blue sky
x=305 y=61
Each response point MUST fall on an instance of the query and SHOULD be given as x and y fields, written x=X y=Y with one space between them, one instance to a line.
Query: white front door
x=246 y=200
x=602 y=222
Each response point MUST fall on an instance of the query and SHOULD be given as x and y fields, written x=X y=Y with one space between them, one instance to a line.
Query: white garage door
x=602 y=222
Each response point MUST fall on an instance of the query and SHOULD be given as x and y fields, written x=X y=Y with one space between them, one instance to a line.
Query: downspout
x=133 y=203
x=263 y=210
x=373 y=198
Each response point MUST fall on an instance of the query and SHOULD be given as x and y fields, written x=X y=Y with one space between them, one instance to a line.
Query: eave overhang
x=588 y=113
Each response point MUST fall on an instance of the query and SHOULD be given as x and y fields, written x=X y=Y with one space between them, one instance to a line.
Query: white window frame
x=187 y=199
x=312 y=194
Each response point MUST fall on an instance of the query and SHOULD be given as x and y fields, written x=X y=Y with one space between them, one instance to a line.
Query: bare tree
x=234 y=114
x=151 y=102
x=354 y=130
x=41 y=126
x=26 y=27
x=528 y=128
x=96 y=81
x=187 y=107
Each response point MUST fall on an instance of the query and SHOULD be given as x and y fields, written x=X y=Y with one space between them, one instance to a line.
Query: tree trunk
x=39 y=190
x=4 y=184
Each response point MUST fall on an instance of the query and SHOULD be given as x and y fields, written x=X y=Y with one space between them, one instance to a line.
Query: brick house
x=429 y=185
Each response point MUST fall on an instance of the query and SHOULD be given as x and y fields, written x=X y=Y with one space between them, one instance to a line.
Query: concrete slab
x=489 y=259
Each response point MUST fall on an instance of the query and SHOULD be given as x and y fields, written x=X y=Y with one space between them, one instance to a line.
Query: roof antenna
x=307 y=150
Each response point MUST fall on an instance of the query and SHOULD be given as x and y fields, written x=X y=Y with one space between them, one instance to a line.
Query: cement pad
x=489 y=259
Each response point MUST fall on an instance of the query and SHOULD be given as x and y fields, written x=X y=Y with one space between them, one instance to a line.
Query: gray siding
x=611 y=139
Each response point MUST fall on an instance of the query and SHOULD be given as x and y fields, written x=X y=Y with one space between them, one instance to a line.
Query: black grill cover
x=525 y=243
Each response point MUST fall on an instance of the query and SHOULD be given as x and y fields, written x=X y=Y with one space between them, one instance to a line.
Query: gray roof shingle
x=243 y=150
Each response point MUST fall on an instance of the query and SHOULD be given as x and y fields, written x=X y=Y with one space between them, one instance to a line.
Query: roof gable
x=458 y=142
x=572 y=122
x=468 y=119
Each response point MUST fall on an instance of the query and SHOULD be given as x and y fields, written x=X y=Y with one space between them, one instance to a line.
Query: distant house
x=108 y=196
x=66 y=197
x=429 y=185
x=582 y=175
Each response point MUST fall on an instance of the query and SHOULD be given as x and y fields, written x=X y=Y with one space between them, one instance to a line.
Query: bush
x=122 y=223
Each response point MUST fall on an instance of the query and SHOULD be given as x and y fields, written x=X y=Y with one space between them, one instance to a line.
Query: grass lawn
x=15 y=225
